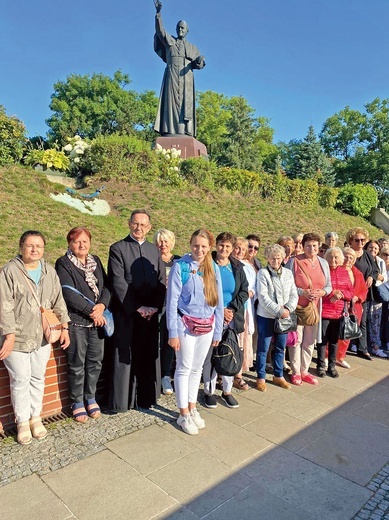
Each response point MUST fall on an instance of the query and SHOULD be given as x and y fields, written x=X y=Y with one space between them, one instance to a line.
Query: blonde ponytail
x=207 y=267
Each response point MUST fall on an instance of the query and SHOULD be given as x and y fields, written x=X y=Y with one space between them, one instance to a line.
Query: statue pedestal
x=189 y=146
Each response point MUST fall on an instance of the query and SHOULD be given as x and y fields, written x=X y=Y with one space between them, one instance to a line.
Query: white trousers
x=300 y=356
x=189 y=365
x=27 y=381
x=210 y=376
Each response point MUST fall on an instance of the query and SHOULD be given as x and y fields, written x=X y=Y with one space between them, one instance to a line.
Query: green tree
x=305 y=159
x=98 y=105
x=12 y=138
x=213 y=116
x=343 y=132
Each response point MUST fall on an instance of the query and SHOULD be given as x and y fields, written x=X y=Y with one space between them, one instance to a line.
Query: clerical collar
x=140 y=243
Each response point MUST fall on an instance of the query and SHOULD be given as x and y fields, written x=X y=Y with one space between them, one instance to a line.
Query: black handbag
x=349 y=328
x=285 y=325
x=227 y=357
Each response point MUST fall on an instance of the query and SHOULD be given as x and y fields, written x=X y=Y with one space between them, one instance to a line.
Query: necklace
x=226 y=267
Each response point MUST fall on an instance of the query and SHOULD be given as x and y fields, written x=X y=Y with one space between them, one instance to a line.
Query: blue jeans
x=265 y=335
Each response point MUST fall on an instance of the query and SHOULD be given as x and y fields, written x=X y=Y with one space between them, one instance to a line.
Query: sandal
x=39 y=432
x=24 y=433
x=93 y=409
x=79 y=412
x=240 y=383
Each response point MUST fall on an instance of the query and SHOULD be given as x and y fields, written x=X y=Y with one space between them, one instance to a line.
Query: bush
x=122 y=157
x=199 y=171
x=327 y=197
x=12 y=138
x=357 y=199
x=233 y=179
x=51 y=158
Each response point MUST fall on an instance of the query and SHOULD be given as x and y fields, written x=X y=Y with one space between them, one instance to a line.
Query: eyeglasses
x=384 y=254
x=251 y=246
x=359 y=239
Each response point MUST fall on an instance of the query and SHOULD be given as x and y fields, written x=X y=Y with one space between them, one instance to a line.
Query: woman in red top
x=333 y=304
x=360 y=293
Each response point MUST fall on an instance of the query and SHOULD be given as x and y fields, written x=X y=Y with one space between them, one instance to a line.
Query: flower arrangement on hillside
x=77 y=153
x=169 y=164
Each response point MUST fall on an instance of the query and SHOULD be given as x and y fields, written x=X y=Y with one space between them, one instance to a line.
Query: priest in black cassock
x=138 y=280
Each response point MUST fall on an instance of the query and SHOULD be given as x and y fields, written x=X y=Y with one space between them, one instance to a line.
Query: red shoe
x=296 y=379
x=308 y=378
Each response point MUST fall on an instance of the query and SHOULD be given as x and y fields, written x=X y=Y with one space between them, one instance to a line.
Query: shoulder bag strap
x=271 y=279
x=305 y=272
x=78 y=292
x=32 y=289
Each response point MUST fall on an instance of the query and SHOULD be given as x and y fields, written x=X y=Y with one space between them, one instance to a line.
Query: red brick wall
x=56 y=398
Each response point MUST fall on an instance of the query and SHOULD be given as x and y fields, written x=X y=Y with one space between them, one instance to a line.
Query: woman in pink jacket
x=333 y=304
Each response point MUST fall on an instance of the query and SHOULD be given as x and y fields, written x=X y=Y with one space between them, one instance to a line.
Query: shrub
x=199 y=171
x=12 y=138
x=51 y=158
x=233 y=179
x=77 y=150
x=357 y=199
x=122 y=157
x=327 y=197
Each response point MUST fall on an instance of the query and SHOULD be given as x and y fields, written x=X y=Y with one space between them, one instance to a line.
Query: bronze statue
x=176 y=109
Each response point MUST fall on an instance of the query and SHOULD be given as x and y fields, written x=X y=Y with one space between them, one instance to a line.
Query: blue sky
x=296 y=62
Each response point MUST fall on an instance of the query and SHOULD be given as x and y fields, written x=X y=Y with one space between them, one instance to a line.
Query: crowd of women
x=218 y=285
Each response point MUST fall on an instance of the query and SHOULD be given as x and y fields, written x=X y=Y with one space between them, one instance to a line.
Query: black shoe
x=321 y=372
x=210 y=401
x=230 y=400
x=333 y=372
x=252 y=369
x=364 y=355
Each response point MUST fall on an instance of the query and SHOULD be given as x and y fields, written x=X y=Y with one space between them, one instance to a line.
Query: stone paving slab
x=352 y=460
x=199 y=481
x=31 y=499
x=266 y=448
x=308 y=486
x=104 y=486
x=224 y=440
x=139 y=449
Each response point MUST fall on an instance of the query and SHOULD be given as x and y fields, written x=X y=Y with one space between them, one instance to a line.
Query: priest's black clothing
x=137 y=277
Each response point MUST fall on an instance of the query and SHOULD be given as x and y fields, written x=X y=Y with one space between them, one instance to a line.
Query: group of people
x=171 y=312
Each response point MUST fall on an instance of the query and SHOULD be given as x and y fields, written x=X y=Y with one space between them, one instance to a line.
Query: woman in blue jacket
x=194 y=292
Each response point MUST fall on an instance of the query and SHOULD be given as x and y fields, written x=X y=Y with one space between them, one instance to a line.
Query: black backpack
x=227 y=357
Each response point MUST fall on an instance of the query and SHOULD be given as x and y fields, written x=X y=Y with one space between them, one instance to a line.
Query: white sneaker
x=197 y=419
x=379 y=353
x=187 y=425
x=167 y=388
x=343 y=364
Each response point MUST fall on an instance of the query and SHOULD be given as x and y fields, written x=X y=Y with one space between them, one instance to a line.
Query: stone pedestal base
x=189 y=146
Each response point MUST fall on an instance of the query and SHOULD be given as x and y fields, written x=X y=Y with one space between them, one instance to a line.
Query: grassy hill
x=25 y=204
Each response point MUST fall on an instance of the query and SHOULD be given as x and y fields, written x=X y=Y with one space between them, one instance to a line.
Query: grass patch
x=25 y=204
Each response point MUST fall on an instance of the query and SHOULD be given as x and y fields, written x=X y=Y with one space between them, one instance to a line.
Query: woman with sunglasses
x=356 y=238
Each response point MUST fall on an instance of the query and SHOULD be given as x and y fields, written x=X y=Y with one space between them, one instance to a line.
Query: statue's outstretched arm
x=158 y=5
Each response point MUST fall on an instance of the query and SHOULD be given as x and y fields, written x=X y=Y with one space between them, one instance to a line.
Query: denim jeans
x=85 y=356
x=265 y=335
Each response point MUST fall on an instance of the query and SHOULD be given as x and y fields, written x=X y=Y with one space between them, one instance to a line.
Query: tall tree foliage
x=305 y=159
x=233 y=135
x=359 y=142
x=99 y=105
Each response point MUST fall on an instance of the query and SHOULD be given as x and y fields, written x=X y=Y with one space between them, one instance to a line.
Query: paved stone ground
x=69 y=442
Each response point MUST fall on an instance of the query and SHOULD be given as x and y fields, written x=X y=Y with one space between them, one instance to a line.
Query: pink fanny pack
x=198 y=326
